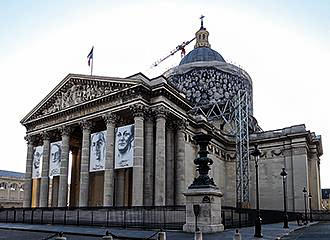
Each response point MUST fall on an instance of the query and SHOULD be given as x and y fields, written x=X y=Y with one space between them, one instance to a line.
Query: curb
x=298 y=228
x=70 y=233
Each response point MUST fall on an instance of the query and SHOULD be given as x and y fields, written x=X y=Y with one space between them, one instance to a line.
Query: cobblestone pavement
x=317 y=231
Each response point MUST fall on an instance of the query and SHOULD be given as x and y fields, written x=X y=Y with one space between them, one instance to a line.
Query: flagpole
x=92 y=66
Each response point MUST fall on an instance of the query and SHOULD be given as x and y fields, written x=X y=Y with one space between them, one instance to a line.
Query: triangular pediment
x=75 y=90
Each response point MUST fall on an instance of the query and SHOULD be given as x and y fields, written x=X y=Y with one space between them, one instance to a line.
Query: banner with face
x=97 y=151
x=124 y=146
x=37 y=161
x=55 y=158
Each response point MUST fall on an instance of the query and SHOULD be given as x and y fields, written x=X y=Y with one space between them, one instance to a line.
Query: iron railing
x=241 y=217
x=153 y=217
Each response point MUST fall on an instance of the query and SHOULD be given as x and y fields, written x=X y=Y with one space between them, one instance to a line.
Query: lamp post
x=305 y=200
x=285 y=215
x=310 y=207
x=257 y=230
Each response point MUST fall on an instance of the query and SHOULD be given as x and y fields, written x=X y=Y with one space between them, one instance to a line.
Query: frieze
x=277 y=152
x=231 y=157
x=77 y=91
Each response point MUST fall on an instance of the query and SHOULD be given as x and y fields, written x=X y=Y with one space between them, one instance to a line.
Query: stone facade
x=164 y=131
x=11 y=189
x=166 y=112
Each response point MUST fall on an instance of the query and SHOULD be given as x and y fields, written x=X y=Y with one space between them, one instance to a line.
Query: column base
x=188 y=227
x=209 y=217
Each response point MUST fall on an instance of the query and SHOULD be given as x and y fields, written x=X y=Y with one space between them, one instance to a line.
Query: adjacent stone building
x=11 y=189
x=128 y=141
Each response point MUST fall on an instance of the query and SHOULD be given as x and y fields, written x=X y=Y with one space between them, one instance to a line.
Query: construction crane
x=180 y=47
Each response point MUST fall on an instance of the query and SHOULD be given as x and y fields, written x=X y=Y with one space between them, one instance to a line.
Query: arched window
x=13 y=186
x=21 y=188
x=3 y=185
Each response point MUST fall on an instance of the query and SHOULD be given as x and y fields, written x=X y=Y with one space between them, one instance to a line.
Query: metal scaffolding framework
x=235 y=114
x=242 y=115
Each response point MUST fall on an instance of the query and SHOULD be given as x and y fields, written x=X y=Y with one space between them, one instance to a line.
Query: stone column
x=28 y=173
x=170 y=164
x=160 y=182
x=44 y=182
x=110 y=120
x=137 y=185
x=148 y=193
x=180 y=186
x=63 y=183
x=120 y=185
x=84 y=165
x=314 y=187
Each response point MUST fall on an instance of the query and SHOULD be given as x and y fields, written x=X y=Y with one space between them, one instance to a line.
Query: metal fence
x=153 y=217
x=242 y=217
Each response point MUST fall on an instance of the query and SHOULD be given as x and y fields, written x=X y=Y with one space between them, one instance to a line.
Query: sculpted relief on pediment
x=77 y=91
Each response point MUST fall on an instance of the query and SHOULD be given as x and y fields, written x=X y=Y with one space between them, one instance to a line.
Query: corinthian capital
x=161 y=112
x=138 y=110
x=110 y=118
x=181 y=124
x=86 y=125
x=30 y=139
x=65 y=130
x=45 y=135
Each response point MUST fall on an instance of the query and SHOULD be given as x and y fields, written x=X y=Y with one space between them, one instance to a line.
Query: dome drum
x=204 y=86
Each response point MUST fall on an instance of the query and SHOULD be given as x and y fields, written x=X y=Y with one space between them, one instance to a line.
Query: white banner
x=37 y=161
x=124 y=146
x=97 y=151
x=55 y=158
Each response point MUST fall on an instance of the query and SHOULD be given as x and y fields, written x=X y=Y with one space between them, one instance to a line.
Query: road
x=318 y=231
x=27 y=235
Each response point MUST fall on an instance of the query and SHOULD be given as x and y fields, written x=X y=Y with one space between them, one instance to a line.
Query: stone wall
x=11 y=192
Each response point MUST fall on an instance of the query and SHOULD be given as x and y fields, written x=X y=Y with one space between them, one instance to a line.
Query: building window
x=13 y=186
x=3 y=186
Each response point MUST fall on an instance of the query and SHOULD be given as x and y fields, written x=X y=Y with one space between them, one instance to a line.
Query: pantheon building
x=108 y=141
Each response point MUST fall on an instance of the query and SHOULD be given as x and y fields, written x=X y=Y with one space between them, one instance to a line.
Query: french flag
x=90 y=56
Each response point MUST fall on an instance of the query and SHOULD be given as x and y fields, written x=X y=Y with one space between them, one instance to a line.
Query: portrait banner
x=37 y=161
x=55 y=158
x=124 y=146
x=97 y=151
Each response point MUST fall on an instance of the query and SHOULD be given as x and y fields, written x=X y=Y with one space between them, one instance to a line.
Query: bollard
x=107 y=236
x=237 y=235
x=198 y=235
x=60 y=236
x=161 y=236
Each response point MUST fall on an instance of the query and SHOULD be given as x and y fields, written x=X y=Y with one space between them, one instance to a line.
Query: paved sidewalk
x=269 y=231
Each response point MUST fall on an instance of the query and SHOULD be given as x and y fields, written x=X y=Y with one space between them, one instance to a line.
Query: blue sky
x=283 y=45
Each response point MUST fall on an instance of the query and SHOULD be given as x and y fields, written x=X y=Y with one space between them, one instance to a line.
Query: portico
x=72 y=122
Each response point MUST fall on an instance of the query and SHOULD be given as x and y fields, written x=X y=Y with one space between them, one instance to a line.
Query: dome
x=202 y=54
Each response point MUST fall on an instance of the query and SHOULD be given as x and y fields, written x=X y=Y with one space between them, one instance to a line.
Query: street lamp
x=285 y=215
x=310 y=207
x=305 y=200
x=257 y=230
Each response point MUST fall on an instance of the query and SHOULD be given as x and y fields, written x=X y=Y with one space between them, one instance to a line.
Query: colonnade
x=158 y=172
